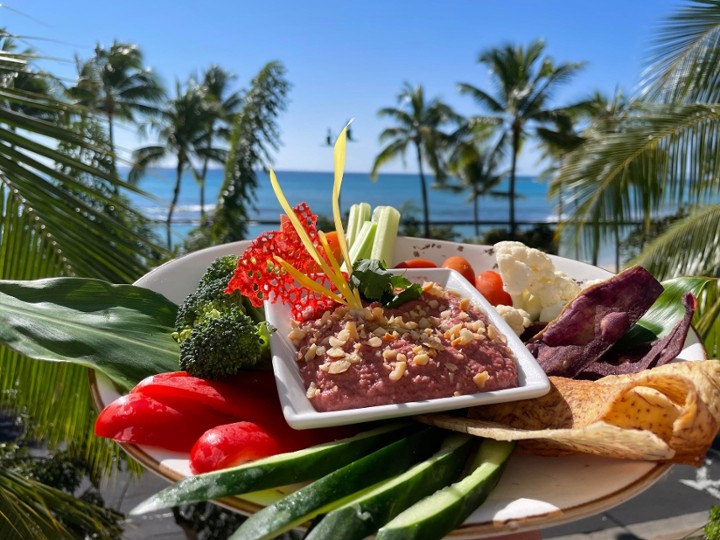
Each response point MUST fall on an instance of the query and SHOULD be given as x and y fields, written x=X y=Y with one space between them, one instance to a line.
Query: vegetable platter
x=534 y=492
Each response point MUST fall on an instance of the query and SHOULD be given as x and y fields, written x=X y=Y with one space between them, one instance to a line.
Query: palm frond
x=661 y=157
x=29 y=510
x=707 y=322
x=690 y=247
x=685 y=57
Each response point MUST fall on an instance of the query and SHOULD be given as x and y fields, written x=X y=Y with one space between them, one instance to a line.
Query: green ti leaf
x=665 y=313
x=122 y=331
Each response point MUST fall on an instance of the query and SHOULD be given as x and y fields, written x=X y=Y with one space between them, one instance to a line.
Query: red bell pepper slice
x=171 y=424
x=250 y=395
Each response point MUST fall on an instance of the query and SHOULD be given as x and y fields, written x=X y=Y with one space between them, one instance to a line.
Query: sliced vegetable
x=279 y=470
x=364 y=515
x=363 y=244
x=490 y=285
x=336 y=488
x=250 y=395
x=359 y=214
x=461 y=265
x=172 y=424
x=229 y=445
x=416 y=263
x=122 y=331
x=388 y=221
x=438 y=514
x=334 y=243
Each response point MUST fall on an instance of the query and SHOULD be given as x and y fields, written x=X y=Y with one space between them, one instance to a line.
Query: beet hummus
x=439 y=345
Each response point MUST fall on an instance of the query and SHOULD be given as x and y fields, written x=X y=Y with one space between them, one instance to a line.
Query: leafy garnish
x=122 y=331
x=665 y=313
x=377 y=284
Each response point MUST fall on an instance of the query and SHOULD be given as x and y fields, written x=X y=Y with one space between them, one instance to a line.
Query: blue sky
x=348 y=59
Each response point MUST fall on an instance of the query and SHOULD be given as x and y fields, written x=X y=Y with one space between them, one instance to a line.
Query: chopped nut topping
x=398 y=371
x=340 y=366
x=374 y=342
x=421 y=359
x=335 y=352
x=311 y=352
x=296 y=335
x=480 y=378
x=389 y=354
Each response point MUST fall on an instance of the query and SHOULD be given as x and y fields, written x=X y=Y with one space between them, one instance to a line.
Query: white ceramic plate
x=300 y=413
x=534 y=492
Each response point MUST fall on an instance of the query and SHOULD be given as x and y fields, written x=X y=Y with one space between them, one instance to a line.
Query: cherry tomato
x=416 y=263
x=490 y=285
x=462 y=265
x=232 y=444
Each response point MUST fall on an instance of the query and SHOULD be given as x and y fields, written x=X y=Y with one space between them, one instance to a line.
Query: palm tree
x=255 y=137
x=181 y=129
x=475 y=164
x=116 y=83
x=418 y=122
x=661 y=156
x=47 y=228
x=222 y=106
x=525 y=81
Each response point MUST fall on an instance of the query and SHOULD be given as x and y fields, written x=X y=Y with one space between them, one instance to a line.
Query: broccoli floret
x=221 y=269
x=219 y=333
x=222 y=343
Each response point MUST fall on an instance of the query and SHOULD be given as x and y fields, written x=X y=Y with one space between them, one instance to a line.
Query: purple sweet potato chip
x=646 y=356
x=593 y=321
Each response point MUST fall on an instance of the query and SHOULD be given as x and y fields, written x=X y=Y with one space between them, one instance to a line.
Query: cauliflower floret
x=518 y=319
x=532 y=281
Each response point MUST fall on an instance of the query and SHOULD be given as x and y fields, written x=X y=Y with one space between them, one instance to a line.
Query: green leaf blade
x=123 y=331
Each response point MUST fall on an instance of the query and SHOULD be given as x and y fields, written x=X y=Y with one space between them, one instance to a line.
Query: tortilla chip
x=670 y=413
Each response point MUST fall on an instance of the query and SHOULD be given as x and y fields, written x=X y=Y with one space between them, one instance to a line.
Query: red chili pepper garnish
x=260 y=277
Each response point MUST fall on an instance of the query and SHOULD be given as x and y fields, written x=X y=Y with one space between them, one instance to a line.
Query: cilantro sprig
x=376 y=283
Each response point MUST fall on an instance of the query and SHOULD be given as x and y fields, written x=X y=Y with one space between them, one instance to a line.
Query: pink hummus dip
x=439 y=345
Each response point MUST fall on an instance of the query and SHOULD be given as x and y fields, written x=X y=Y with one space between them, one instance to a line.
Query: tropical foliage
x=525 y=81
x=660 y=158
x=182 y=132
x=255 y=136
x=223 y=104
x=54 y=222
x=418 y=123
x=115 y=83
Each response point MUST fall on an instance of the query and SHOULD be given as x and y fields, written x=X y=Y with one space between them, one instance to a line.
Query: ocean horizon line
x=309 y=171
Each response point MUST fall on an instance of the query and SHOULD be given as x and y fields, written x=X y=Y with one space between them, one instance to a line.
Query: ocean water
x=315 y=188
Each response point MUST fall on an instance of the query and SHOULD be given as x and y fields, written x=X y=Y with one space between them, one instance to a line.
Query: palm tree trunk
x=173 y=203
x=476 y=212
x=202 y=188
x=111 y=140
x=511 y=191
x=423 y=188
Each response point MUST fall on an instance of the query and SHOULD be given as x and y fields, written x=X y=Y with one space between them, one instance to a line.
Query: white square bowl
x=300 y=413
